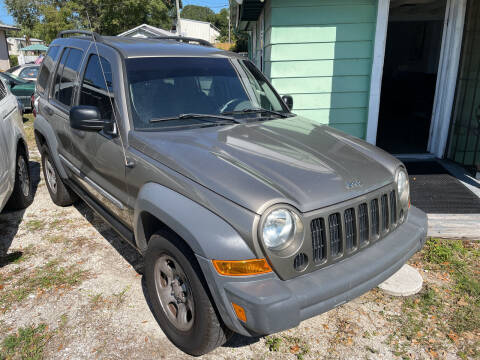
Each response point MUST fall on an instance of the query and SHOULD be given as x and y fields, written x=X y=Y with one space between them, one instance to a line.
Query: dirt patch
x=70 y=289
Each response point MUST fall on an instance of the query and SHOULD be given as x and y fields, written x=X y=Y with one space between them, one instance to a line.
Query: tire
x=169 y=258
x=22 y=195
x=60 y=194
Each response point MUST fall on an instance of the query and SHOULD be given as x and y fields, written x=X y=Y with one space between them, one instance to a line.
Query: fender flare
x=43 y=127
x=206 y=233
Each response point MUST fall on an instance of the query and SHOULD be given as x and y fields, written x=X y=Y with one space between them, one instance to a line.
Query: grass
x=27 y=343
x=40 y=280
x=449 y=308
x=34 y=225
x=29 y=131
x=288 y=344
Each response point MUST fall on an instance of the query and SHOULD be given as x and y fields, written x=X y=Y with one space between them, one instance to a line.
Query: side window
x=47 y=67
x=97 y=88
x=65 y=82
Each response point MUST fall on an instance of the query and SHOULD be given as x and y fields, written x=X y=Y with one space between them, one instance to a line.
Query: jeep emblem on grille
x=353 y=184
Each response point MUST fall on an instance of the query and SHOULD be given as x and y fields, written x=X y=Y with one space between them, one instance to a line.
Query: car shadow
x=127 y=251
x=10 y=221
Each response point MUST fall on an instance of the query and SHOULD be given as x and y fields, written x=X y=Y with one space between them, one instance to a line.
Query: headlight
x=278 y=229
x=403 y=188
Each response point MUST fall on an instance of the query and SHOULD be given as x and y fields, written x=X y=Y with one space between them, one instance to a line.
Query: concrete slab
x=405 y=282
x=456 y=226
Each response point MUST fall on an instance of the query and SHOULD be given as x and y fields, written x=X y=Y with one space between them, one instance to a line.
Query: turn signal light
x=240 y=312
x=242 y=267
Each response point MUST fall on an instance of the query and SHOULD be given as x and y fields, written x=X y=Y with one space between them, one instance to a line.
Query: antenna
x=109 y=94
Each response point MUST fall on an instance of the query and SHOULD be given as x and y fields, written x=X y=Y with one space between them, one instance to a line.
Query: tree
x=45 y=18
x=195 y=12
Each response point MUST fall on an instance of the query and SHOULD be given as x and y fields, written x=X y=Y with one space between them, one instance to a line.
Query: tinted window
x=29 y=72
x=166 y=87
x=97 y=87
x=65 y=82
x=47 y=67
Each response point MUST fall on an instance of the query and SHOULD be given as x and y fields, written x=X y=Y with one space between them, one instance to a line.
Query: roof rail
x=93 y=34
x=183 y=39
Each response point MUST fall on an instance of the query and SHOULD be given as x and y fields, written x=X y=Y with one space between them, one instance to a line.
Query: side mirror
x=11 y=83
x=288 y=100
x=87 y=118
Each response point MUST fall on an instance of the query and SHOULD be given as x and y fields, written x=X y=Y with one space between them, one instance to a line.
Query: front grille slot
x=300 y=262
x=385 y=218
x=363 y=223
x=319 y=240
x=350 y=229
x=393 y=207
x=375 y=219
x=335 y=230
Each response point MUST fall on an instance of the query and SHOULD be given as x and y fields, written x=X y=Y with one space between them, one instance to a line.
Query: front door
x=412 y=55
x=5 y=147
x=99 y=155
x=464 y=144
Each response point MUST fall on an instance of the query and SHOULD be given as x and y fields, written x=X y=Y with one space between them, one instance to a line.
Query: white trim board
x=446 y=79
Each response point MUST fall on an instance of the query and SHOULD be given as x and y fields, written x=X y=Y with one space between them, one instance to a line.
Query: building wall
x=4 y=60
x=199 y=30
x=320 y=52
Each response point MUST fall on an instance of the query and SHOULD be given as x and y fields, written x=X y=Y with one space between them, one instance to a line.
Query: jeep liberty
x=250 y=219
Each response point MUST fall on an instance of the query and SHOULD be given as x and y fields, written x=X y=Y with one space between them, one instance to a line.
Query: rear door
x=100 y=155
x=61 y=97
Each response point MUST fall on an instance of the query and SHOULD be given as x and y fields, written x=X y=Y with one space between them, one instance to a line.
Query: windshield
x=169 y=87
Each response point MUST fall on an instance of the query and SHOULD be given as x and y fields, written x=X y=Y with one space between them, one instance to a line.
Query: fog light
x=242 y=267
x=240 y=312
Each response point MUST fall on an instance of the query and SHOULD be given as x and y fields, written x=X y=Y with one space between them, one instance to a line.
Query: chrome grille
x=334 y=227
x=319 y=240
x=393 y=207
x=374 y=215
x=385 y=218
x=350 y=229
x=363 y=223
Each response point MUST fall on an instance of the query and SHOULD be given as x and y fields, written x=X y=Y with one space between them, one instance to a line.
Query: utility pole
x=179 y=26
x=229 y=37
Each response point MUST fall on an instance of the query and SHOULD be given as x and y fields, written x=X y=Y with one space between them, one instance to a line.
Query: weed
x=27 y=343
x=273 y=343
x=34 y=225
x=439 y=251
x=44 y=278
x=120 y=297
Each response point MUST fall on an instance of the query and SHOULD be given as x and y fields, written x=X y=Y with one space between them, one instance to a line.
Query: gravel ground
x=69 y=277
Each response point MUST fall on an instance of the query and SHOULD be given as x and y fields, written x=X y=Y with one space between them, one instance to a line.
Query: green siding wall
x=320 y=52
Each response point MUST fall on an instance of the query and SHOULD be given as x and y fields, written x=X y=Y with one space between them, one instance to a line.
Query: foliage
x=45 y=18
x=13 y=60
x=27 y=343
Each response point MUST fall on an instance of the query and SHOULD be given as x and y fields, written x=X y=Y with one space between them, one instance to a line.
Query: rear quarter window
x=47 y=67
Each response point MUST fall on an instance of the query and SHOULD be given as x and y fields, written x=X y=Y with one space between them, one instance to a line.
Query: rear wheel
x=60 y=194
x=22 y=195
x=179 y=297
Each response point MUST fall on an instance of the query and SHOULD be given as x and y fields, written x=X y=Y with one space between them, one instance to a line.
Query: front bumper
x=273 y=305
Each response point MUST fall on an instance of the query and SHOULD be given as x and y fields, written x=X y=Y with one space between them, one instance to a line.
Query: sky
x=215 y=5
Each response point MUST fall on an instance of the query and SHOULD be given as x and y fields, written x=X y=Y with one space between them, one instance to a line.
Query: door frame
x=446 y=78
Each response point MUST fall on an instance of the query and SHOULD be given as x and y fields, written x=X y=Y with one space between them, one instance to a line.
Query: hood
x=255 y=165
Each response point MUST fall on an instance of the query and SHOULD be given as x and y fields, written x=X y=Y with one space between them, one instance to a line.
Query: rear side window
x=47 y=68
x=30 y=72
x=66 y=75
x=97 y=88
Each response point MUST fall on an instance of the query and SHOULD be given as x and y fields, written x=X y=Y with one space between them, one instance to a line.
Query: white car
x=15 y=183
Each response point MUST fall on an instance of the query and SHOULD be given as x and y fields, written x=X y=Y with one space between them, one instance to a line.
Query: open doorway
x=412 y=53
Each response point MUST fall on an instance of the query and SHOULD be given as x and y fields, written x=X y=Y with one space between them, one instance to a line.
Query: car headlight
x=278 y=229
x=403 y=188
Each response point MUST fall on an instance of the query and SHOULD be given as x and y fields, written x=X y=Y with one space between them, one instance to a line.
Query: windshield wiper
x=255 y=110
x=195 y=116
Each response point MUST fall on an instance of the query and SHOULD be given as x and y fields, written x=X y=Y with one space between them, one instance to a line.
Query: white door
x=5 y=140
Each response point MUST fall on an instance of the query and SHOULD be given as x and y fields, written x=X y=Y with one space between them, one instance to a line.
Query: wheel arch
x=208 y=235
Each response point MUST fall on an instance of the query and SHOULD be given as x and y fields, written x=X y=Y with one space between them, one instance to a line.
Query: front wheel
x=179 y=297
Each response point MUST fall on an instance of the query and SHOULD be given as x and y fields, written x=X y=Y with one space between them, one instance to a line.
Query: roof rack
x=183 y=39
x=97 y=37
